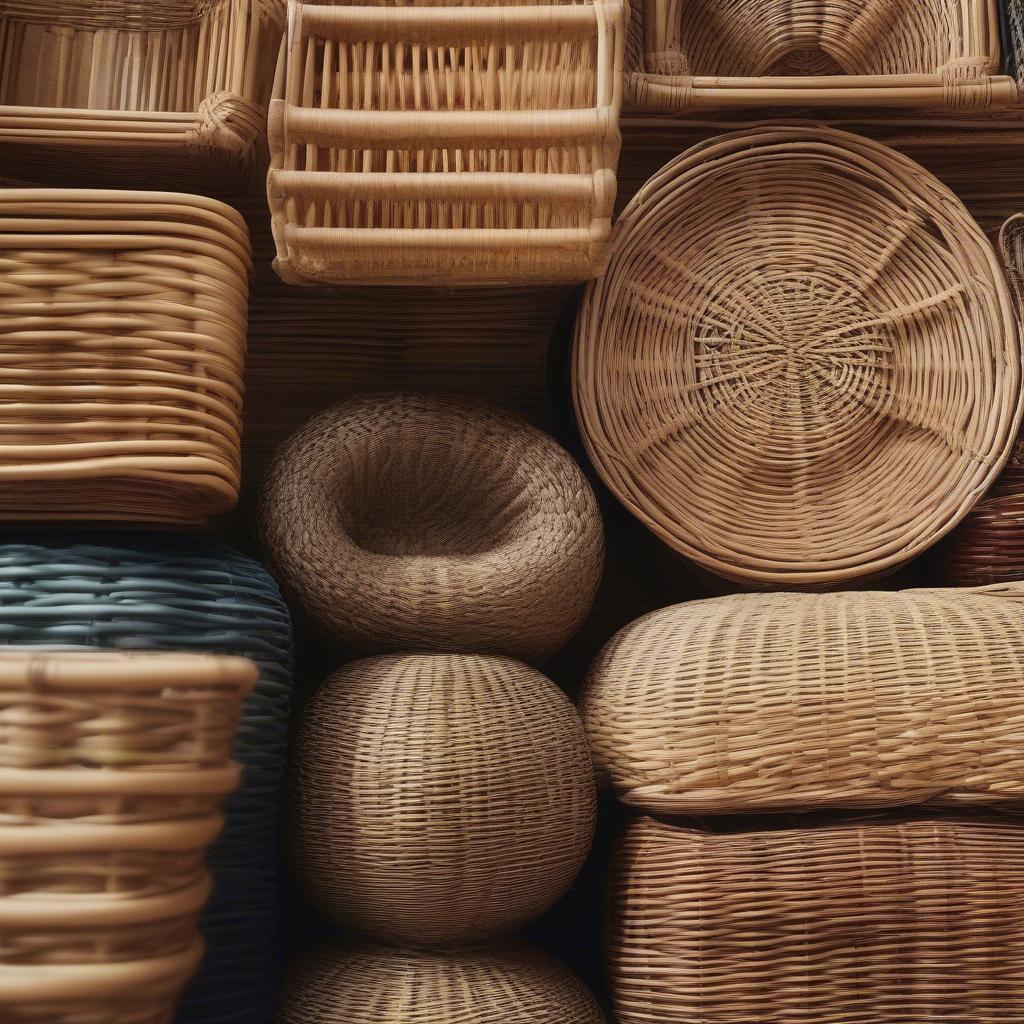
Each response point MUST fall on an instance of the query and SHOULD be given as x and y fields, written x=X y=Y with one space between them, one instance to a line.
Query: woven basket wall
x=184 y=594
x=122 y=342
x=439 y=798
x=484 y=985
x=838 y=53
x=853 y=923
x=802 y=365
x=130 y=92
x=113 y=766
x=406 y=521
x=455 y=145
x=795 y=701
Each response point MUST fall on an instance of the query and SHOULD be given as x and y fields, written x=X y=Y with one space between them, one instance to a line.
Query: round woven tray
x=801 y=366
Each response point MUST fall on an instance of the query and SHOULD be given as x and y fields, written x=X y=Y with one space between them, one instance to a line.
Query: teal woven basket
x=178 y=593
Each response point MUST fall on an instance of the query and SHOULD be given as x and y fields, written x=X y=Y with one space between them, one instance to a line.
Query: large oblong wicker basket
x=122 y=342
x=136 y=92
x=439 y=798
x=868 y=922
x=802 y=365
x=433 y=144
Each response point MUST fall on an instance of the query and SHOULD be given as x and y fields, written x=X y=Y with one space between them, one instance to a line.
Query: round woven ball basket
x=801 y=367
x=184 y=594
x=363 y=984
x=412 y=522
x=439 y=798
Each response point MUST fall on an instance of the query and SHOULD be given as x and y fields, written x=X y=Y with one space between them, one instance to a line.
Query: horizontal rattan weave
x=413 y=521
x=795 y=701
x=122 y=342
x=504 y=984
x=853 y=923
x=132 y=92
x=805 y=53
x=439 y=798
x=468 y=144
x=802 y=365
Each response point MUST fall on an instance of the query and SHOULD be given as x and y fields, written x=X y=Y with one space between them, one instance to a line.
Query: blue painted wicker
x=183 y=594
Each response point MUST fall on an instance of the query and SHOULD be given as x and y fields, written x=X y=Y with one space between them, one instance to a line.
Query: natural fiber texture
x=845 y=53
x=406 y=521
x=802 y=365
x=465 y=144
x=505 y=984
x=122 y=341
x=799 y=701
x=1013 y=16
x=183 y=594
x=135 y=85
x=439 y=798
x=113 y=767
x=852 y=923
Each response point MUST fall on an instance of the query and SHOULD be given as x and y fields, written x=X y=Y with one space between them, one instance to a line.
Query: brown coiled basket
x=802 y=365
x=849 y=923
x=439 y=798
x=410 y=522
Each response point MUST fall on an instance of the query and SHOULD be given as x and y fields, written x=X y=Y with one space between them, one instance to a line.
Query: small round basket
x=439 y=798
x=801 y=367
x=362 y=984
x=418 y=522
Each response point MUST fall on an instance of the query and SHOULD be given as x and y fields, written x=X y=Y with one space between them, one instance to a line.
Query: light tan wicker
x=468 y=144
x=798 y=701
x=406 y=521
x=439 y=798
x=134 y=92
x=122 y=341
x=802 y=365
x=504 y=984
x=838 y=53
x=852 y=923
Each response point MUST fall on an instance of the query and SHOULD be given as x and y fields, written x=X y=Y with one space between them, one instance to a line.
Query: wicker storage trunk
x=699 y=54
x=135 y=93
x=428 y=144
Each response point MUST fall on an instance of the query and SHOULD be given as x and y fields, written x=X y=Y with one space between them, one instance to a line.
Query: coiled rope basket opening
x=364 y=984
x=406 y=521
x=802 y=365
x=439 y=798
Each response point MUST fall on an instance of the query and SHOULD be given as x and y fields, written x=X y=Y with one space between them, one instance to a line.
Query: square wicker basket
x=425 y=144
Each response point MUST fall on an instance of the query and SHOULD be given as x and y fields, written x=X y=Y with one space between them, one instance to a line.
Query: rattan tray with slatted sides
x=445 y=145
x=122 y=343
x=136 y=93
x=692 y=55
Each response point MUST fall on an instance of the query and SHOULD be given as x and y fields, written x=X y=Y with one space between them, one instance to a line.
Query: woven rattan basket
x=851 y=923
x=805 y=53
x=112 y=767
x=134 y=92
x=802 y=365
x=465 y=144
x=122 y=342
x=183 y=594
x=410 y=522
x=373 y=985
x=439 y=798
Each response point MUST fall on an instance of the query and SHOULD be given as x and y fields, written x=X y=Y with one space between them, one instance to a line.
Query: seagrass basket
x=445 y=145
x=112 y=767
x=439 y=798
x=183 y=594
x=869 y=922
x=802 y=365
x=122 y=343
x=700 y=54
x=409 y=521
x=135 y=92
x=363 y=984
